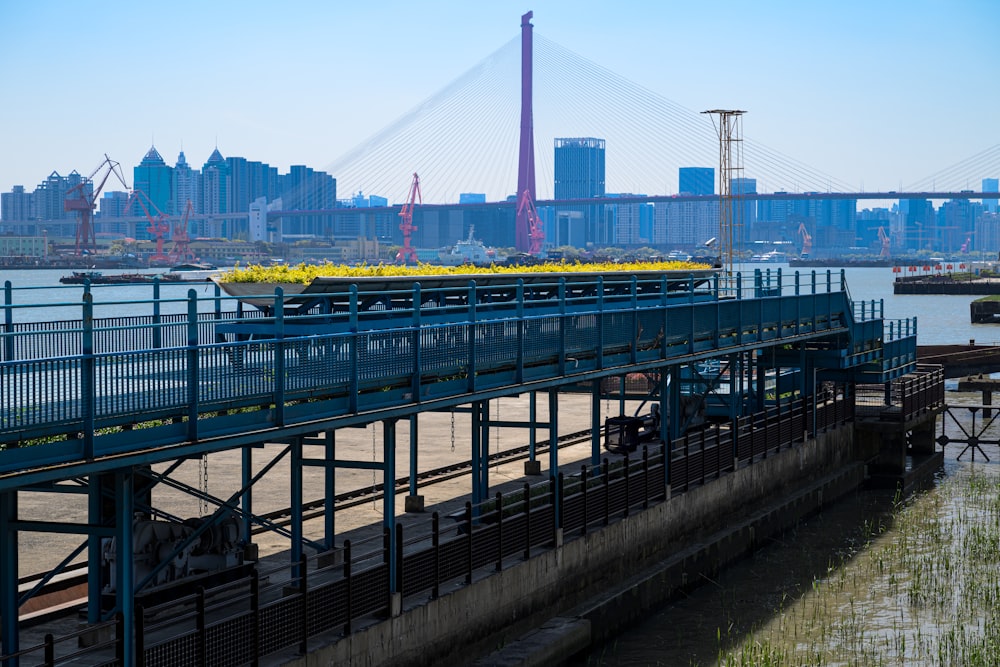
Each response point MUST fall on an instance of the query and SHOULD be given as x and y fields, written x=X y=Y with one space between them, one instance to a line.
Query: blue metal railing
x=369 y=352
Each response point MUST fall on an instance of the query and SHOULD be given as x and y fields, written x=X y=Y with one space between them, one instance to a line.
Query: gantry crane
x=807 y=240
x=406 y=254
x=536 y=237
x=83 y=202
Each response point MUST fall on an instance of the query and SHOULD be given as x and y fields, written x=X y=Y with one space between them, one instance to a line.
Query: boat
x=678 y=256
x=192 y=272
x=98 y=278
x=470 y=251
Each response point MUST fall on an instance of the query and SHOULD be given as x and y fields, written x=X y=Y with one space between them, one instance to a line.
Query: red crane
x=886 y=242
x=536 y=237
x=83 y=202
x=406 y=254
x=158 y=226
x=807 y=240
x=182 y=241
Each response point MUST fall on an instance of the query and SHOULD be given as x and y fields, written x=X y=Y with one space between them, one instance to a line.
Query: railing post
x=304 y=602
x=157 y=320
x=139 y=621
x=349 y=612
x=417 y=356
x=255 y=614
x=200 y=627
x=120 y=643
x=352 y=395
x=527 y=521
x=584 y=479
x=50 y=650
x=468 y=554
x=625 y=467
x=436 y=546
x=88 y=378
x=499 y=497
x=399 y=558
x=600 y=322
x=557 y=490
x=645 y=477
x=193 y=381
x=519 y=370
x=279 y=356
x=8 y=321
x=471 y=330
x=606 y=475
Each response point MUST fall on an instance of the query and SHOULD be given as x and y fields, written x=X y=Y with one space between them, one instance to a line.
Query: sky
x=876 y=93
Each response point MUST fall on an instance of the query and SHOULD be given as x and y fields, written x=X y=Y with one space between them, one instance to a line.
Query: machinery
x=83 y=202
x=406 y=254
x=807 y=241
x=182 y=241
x=158 y=226
x=167 y=552
x=536 y=237
x=883 y=238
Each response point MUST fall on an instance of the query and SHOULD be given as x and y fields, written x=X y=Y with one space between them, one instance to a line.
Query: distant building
x=696 y=181
x=990 y=185
x=472 y=198
x=16 y=206
x=580 y=174
x=185 y=186
x=154 y=178
x=685 y=223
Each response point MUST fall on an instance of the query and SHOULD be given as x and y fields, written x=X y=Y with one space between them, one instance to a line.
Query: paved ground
x=443 y=440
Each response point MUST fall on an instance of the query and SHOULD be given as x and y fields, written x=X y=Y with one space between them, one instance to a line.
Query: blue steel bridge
x=89 y=405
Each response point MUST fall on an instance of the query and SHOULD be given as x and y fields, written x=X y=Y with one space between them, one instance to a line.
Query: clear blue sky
x=876 y=93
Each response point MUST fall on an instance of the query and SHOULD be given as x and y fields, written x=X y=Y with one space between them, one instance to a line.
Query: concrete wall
x=607 y=577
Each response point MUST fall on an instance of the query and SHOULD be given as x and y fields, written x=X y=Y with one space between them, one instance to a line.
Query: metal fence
x=270 y=610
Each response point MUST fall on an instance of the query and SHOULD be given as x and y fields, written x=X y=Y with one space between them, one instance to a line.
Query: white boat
x=470 y=251
x=191 y=273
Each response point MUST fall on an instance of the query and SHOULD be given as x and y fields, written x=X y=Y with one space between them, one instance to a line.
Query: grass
x=925 y=592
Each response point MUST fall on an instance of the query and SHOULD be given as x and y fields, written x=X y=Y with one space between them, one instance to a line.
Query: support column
x=595 y=425
x=389 y=494
x=125 y=568
x=246 y=502
x=8 y=572
x=669 y=385
x=532 y=466
x=553 y=431
x=330 y=487
x=414 y=502
x=477 y=456
x=484 y=455
x=295 y=498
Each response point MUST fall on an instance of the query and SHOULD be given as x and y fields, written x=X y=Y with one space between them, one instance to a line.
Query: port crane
x=884 y=239
x=807 y=240
x=182 y=241
x=158 y=226
x=406 y=254
x=536 y=237
x=83 y=202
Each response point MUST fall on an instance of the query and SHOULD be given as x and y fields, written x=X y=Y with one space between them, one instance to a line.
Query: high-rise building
x=185 y=186
x=745 y=211
x=990 y=185
x=579 y=174
x=304 y=189
x=696 y=181
x=154 y=178
x=16 y=206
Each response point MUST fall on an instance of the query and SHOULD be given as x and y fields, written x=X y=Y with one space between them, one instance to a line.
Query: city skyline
x=842 y=109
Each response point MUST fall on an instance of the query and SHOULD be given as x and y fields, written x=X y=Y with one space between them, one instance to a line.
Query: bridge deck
x=211 y=380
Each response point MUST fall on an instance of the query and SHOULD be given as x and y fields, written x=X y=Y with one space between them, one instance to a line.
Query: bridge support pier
x=532 y=466
x=8 y=573
x=414 y=502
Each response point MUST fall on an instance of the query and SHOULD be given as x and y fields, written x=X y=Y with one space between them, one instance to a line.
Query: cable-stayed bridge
x=464 y=138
